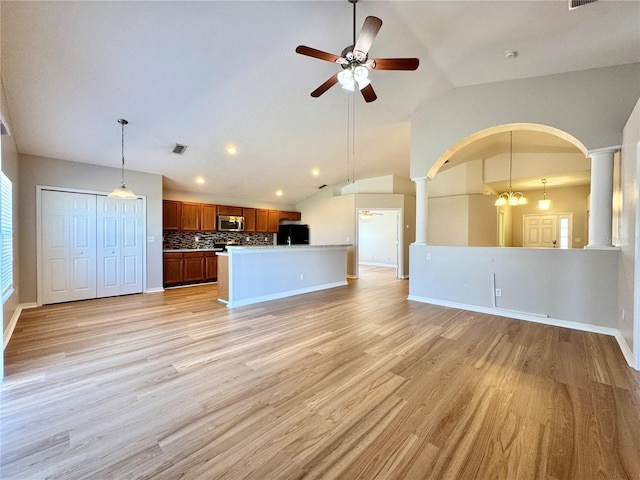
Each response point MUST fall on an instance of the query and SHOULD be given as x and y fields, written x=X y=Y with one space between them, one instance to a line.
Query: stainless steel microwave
x=230 y=223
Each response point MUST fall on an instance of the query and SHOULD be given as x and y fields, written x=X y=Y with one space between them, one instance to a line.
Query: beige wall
x=10 y=169
x=72 y=175
x=332 y=219
x=462 y=220
x=563 y=200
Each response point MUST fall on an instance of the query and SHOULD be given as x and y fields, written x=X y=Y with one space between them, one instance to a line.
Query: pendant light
x=122 y=191
x=544 y=204
x=510 y=197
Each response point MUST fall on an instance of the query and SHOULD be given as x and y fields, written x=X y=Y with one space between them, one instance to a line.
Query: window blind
x=6 y=236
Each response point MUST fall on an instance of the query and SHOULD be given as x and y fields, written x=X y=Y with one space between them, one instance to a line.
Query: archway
x=473 y=171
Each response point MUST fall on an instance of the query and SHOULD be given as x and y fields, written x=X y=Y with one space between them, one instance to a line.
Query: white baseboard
x=154 y=290
x=288 y=293
x=14 y=321
x=379 y=264
x=538 y=318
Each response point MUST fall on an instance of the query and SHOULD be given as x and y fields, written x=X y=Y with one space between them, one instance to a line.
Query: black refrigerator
x=293 y=234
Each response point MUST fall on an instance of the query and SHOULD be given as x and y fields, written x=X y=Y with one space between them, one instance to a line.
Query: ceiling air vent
x=179 y=149
x=578 y=3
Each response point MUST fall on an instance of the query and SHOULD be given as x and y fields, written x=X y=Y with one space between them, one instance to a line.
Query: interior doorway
x=379 y=241
x=547 y=230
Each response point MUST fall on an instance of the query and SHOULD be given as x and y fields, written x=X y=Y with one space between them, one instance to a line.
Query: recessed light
x=315 y=172
x=199 y=180
x=231 y=149
x=279 y=193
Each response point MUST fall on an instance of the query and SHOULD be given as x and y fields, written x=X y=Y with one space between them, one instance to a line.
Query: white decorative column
x=601 y=204
x=421 y=210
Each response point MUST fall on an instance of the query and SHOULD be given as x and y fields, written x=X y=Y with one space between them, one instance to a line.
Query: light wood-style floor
x=353 y=382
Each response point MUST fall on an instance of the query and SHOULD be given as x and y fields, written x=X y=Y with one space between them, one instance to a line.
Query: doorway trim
x=39 y=189
x=399 y=239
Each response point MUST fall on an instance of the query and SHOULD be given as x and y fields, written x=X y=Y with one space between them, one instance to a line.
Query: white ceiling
x=208 y=74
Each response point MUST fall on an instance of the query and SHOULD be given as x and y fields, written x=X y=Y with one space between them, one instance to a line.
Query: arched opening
x=539 y=161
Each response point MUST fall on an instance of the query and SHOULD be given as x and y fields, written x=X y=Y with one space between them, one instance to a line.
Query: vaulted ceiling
x=208 y=74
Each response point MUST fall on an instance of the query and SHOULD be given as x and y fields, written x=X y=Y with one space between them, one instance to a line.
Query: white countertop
x=283 y=247
x=184 y=250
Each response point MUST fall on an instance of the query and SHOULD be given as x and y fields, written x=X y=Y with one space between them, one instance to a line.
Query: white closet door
x=68 y=246
x=120 y=235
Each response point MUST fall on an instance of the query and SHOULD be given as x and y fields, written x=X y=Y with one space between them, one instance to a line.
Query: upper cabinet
x=171 y=211
x=249 y=215
x=227 y=210
x=209 y=223
x=190 y=218
x=202 y=217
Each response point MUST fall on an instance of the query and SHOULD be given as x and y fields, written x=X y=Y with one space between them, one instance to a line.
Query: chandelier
x=544 y=204
x=122 y=191
x=511 y=198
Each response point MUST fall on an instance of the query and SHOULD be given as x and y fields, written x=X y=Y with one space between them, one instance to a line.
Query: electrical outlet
x=428 y=256
x=498 y=292
x=302 y=276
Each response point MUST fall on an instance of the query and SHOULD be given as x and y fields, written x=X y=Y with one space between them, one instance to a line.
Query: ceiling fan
x=355 y=61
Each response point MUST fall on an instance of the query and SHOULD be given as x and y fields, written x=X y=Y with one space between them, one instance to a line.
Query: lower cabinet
x=181 y=268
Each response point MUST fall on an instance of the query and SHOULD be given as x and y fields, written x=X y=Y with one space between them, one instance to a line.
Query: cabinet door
x=249 y=215
x=209 y=217
x=210 y=267
x=262 y=220
x=173 y=266
x=274 y=220
x=190 y=218
x=227 y=210
x=295 y=216
x=193 y=267
x=171 y=211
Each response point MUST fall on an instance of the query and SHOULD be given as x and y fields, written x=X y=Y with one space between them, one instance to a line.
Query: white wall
x=204 y=197
x=62 y=173
x=10 y=168
x=577 y=286
x=332 y=219
x=591 y=105
x=377 y=237
x=629 y=241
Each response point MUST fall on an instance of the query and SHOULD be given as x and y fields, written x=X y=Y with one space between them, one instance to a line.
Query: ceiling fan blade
x=312 y=52
x=325 y=86
x=368 y=94
x=395 y=64
x=366 y=37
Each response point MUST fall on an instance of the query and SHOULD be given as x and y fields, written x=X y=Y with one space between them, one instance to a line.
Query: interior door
x=119 y=258
x=540 y=231
x=68 y=246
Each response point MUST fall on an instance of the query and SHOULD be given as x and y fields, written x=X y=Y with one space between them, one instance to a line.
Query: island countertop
x=257 y=273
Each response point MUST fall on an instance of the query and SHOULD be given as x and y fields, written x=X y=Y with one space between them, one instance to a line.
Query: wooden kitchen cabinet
x=173 y=266
x=210 y=267
x=295 y=216
x=171 y=212
x=190 y=217
x=209 y=212
x=274 y=221
x=249 y=215
x=262 y=220
x=193 y=267
x=227 y=210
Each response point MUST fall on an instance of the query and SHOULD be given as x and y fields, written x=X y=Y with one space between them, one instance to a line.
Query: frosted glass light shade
x=122 y=192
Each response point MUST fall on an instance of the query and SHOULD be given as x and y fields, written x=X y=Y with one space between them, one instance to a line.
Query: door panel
x=540 y=231
x=119 y=246
x=68 y=246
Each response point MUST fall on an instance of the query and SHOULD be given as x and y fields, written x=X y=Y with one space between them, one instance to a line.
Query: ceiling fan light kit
x=355 y=61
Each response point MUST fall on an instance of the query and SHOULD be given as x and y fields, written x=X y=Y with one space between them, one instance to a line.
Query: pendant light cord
x=510 y=157
x=122 y=122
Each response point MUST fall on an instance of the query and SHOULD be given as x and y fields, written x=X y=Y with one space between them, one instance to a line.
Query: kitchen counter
x=251 y=274
x=183 y=250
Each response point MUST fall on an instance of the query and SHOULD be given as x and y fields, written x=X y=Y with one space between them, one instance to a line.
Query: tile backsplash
x=180 y=240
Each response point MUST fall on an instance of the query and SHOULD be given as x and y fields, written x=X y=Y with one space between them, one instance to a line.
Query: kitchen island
x=252 y=274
